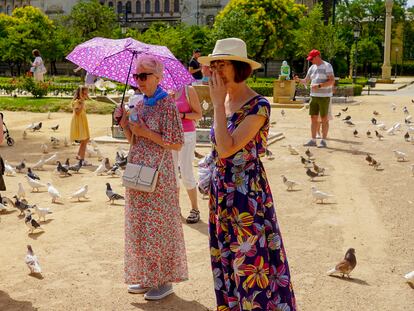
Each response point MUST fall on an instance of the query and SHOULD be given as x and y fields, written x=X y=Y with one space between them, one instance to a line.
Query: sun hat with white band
x=229 y=49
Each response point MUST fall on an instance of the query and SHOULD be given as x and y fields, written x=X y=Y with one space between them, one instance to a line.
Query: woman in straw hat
x=249 y=262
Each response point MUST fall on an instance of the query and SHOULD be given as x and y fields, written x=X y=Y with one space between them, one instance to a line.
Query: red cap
x=313 y=54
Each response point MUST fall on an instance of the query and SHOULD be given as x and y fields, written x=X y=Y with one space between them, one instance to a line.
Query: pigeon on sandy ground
x=345 y=109
x=51 y=158
x=355 y=133
x=37 y=127
x=347 y=118
x=101 y=168
x=309 y=154
x=407 y=137
x=21 y=193
x=31 y=174
x=31 y=261
x=39 y=164
x=62 y=170
x=21 y=166
x=44 y=148
x=292 y=150
x=401 y=156
x=311 y=174
x=379 y=136
x=409 y=276
x=34 y=184
x=319 y=195
x=369 y=134
x=53 y=192
x=76 y=167
x=318 y=169
x=8 y=169
x=374 y=121
x=30 y=222
x=346 y=265
x=41 y=212
x=112 y=196
x=369 y=159
x=81 y=193
x=54 y=128
x=289 y=183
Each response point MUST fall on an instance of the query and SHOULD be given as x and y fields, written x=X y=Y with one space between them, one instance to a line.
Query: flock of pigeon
x=28 y=211
x=313 y=170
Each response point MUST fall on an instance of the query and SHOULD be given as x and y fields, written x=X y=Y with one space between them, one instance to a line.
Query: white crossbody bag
x=141 y=177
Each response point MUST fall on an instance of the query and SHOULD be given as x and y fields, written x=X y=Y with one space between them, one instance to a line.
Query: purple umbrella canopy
x=112 y=59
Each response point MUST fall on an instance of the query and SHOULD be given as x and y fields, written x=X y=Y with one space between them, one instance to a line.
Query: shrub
x=37 y=89
x=263 y=89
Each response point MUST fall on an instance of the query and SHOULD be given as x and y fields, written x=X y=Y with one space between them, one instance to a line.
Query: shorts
x=319 y=106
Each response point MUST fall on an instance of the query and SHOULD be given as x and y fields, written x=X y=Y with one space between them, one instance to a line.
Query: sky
x=410 y=3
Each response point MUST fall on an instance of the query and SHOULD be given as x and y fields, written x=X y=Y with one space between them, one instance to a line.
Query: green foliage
x=37 y=89
x=368 y=52
x=362 y=81
x=262 y=88
x=265 y=25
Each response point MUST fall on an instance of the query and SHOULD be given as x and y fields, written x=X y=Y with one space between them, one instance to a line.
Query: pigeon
x=121 y=159
x=319 y=195
x=283 y=113
x=41 y=212
x=108 y=166
x=51 y=158
x=338 y=115
x=355 y=133
x=269 y=154
x=76 y=167
x=62 y=170
x=345 y=109
x=65 y=142
x=53 y=192
x=405 y=110
x=318 y=169
x=407 y=119
x=34 y=184
x=412 y=101
x=309 y=154
x=401 y=156
x=346 y=265
x=31 y=174
x=115 y=170
x=393 y=107
x=55 y=128
x=32 y=262
x=91 y=152
x=37 y=127
x=49 y=115
x=81 y=193
x=306 y=163
x=409 y=276
x=349 y=122
x=347 y=118
x=407 y=137
x=24 y=135
x=55 y=142
x=381 y=126
x=374 y=121
x=375 y=164
x=6 y=201
x=94 y=144
x=21 y=166
x=311 y=174
x=369 y=134
x=396 y=126
x=292 y=150
x=30 y=222
x=8 y=169
x=112 y=196
x=379 y=136
x=44 y=148
x=376 y=113
x=67 y=163
x=39 y=164
x=289 y=183
x=30 y=127
x=3 y=208
x=20 y=191
x=101 y=168
x=369 y=159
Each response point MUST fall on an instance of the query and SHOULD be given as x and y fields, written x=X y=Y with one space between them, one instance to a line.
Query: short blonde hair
x=152 y=64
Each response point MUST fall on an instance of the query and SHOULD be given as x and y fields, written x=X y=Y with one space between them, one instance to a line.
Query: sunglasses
x=141 y=76
x=218 y=65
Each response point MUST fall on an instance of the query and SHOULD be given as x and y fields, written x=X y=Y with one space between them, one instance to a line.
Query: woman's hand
x=218 y=90
x=124 y=120
x=139 y=128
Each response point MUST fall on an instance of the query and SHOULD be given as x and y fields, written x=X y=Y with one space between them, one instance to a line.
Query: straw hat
x=229 y=49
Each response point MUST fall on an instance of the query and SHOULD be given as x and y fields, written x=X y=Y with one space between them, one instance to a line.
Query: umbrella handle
x=134 y=53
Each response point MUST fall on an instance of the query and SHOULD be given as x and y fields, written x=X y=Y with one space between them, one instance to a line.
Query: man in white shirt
x=322 y=80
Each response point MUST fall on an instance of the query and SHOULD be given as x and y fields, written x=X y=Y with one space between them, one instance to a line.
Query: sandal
x=194 y=217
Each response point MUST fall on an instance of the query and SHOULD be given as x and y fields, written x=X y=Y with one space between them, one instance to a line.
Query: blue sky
x=410 y=3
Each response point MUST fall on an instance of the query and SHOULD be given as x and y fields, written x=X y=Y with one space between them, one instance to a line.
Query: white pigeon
x=91 y=152
x=39 y=164
x=101 y=168
x=8 y=169
x=410 y=129
x=65 y=142
x=289 y=183
x=397 y=126
x=94 y=144
x=408 y=118
x=99 y=154
x=53 y=192
x=34 y=184
x=124 y=153
x=401 y=156
x=319 y=195
x=391 y=131
x=393 y=107
x=41 y=212
x=30 y=127
x=381 y=126
x=81 y=193
x=49 y=116
x=292 y=150
x=20 y=191
x=51 y=158
x=44 y=148
x=31 y=261
x=2 y=208
x=409 y=276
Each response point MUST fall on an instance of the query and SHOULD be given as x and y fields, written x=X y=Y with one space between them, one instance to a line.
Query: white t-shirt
x=320 y=74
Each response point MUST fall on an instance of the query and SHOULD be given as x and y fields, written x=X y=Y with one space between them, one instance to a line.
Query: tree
x=266 y=25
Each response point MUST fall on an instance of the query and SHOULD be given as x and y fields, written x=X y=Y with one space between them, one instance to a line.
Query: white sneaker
x=137 y=289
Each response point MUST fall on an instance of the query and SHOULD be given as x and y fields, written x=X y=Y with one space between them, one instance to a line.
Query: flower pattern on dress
x=248 y=258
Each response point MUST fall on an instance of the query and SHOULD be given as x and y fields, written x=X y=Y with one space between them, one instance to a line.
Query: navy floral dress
x=248 y=259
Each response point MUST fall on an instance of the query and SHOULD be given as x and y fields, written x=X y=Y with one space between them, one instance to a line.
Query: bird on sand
x=346 y=265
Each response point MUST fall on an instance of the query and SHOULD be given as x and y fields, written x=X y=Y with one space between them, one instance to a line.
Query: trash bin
x=372 y=82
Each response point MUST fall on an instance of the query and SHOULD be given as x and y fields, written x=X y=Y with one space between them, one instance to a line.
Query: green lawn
x=50 y=104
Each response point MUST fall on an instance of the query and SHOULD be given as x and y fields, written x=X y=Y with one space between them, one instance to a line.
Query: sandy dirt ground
x=81 y=250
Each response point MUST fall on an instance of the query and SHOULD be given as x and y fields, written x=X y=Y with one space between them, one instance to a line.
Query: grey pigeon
x=62 y=170
x=112 y=196
x=21 y=166
x=55 y=128
x=31 y=222
x=347 y=118
x=31 y=174
x=76 y=167
x=37 y=127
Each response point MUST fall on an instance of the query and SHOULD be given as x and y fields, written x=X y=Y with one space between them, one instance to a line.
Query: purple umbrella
x=113 y=59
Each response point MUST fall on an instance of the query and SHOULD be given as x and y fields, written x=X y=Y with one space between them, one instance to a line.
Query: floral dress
x=248 y=258
x=154 y=240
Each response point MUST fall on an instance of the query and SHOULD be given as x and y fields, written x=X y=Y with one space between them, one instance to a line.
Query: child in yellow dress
x=79 y=129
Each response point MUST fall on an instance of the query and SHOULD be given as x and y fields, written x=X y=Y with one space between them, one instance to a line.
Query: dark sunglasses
x=142 y=76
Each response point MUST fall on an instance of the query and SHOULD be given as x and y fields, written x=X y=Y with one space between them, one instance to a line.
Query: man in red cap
x=322 y=80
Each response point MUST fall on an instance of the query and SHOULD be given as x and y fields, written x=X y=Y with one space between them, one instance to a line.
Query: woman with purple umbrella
x=155 y=253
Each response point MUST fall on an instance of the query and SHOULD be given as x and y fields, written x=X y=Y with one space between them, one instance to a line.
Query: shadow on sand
x=170 y=303
x=352 y=280
x=8 y=303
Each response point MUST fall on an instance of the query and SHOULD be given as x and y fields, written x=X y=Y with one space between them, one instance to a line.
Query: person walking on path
x=189 y=109
x=322 y=80
x=38 y=67
x=248 y=257
x=194 y=66
x=155 y=254
x=79 y=128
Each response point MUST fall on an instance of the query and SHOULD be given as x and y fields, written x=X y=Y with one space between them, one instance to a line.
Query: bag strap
x=129 y=154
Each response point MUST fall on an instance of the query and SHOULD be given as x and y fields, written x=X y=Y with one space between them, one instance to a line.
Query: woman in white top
x=38 y=67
